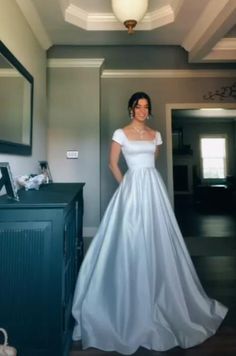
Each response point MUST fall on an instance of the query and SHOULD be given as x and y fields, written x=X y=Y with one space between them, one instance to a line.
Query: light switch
x=72 y=154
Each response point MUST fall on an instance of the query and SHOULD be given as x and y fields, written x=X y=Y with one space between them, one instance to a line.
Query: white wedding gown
x=137 y=285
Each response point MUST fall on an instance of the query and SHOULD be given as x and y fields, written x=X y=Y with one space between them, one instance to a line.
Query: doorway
x=209 y=237
x=180 y=108
x=204 y=186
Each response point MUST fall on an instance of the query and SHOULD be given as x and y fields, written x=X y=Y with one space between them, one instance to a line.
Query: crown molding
x=157 y=18
x=168 y=73
x=176 y=5
x=107 y=21
x=75 y=62
x=210 y=13
x=91 y=21
x=226 y=43
x=223 y=51
x=216 y=20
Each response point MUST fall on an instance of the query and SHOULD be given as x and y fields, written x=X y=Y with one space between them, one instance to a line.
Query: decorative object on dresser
x=32 y=181
x=44 y=168
x=41 y=249
x=5 y=349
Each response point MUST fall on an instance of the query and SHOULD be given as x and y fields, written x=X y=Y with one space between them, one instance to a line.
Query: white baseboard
x=89 y=231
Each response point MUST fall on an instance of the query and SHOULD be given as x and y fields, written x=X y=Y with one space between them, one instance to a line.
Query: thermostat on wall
x=72 y=154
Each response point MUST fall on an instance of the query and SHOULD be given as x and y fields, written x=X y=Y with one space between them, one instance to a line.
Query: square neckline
x=137 y=140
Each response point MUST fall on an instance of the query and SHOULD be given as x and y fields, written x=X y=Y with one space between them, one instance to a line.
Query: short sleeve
x=158 y=139
x=118 y=136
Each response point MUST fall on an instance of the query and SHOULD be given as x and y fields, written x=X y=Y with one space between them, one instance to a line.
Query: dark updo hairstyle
x=133 y=101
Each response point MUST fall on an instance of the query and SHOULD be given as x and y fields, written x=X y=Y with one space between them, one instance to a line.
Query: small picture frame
x=44 y=167
x=6 y=180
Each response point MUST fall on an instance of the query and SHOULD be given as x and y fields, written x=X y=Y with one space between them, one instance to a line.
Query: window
x=213 y=155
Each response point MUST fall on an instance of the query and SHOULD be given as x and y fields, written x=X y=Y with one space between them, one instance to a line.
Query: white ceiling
x=206 y=29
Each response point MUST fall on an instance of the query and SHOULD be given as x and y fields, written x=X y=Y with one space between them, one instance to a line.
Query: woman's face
x=141 y=110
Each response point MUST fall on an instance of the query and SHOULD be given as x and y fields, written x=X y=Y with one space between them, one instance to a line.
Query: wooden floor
x=210 y=234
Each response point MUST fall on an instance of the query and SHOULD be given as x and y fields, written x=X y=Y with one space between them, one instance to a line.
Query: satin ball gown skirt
x=137 y=285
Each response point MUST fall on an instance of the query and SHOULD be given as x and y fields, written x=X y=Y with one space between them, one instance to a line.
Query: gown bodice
x=137 y=153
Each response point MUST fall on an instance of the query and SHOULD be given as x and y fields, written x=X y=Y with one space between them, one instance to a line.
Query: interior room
x=189 y=127
x=75 y=64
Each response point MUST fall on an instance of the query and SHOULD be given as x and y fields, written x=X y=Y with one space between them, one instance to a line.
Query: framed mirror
x=16 y=109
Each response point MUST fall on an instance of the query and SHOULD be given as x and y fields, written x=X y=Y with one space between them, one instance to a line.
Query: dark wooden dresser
x=41 y=249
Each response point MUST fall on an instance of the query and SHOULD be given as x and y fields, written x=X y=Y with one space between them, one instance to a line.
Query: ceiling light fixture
x=129 y=12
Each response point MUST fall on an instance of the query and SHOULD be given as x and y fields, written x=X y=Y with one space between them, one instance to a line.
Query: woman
x=137 y=285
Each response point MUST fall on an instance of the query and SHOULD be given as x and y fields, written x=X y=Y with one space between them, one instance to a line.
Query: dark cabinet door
x=38 y=269
x=30 y=280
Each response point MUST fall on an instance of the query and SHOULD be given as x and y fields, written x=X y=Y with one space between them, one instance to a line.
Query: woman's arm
x=114 y=159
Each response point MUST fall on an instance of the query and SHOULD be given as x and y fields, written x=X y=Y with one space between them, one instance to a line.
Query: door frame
x=169 y=154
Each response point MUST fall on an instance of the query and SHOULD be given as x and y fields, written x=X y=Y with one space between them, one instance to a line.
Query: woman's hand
x=114 y=159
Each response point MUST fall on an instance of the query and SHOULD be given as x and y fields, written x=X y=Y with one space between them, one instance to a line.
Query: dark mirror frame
x=12 y=147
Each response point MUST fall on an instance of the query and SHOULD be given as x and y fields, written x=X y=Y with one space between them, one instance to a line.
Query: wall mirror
x=16 y=109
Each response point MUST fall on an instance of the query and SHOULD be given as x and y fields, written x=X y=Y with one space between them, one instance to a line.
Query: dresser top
x=48 y=195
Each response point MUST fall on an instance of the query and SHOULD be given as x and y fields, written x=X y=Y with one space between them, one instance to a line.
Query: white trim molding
x=168 y=73
x=223 y=51
x=75 y=62
x=89 y=231
x=106 y=21
x=216 y=20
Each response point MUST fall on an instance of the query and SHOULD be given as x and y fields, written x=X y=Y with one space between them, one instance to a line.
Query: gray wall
x=114 y=88
x=18 y=37
x=135 y=57
x=74 y=114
